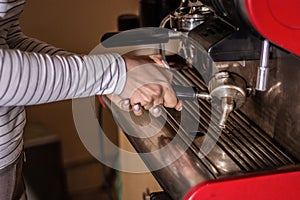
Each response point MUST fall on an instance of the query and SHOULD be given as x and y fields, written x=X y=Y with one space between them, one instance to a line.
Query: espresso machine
x=238 y=73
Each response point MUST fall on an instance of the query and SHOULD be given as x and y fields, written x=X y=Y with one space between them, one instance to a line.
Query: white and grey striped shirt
x=33 y=72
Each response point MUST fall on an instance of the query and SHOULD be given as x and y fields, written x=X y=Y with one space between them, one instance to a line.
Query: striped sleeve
x=28 y=78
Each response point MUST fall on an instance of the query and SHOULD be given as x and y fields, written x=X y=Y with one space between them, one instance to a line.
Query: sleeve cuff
x=122 y=75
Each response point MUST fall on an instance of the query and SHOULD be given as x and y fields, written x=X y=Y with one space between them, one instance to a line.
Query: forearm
x=28 y=78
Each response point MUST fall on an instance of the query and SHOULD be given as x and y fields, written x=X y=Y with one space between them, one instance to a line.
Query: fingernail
x=180 y=108
x=126 y=102
x=136 y=107
x=156 y=110
x=166 y=65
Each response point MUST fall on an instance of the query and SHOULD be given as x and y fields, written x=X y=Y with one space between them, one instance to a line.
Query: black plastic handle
x=185 y=93
x=140 y=36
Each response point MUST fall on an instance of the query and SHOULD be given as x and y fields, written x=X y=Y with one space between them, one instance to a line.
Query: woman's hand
x=147 y=86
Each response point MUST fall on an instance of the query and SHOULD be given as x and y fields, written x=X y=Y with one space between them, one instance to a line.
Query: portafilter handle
x=227 y=88
x=189 y=93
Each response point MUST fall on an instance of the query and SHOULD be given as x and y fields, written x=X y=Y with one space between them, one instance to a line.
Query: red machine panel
x=277 y=20
x=276 y=186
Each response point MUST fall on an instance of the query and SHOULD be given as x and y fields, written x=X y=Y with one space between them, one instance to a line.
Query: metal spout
x=263 y=70
x=227 y=108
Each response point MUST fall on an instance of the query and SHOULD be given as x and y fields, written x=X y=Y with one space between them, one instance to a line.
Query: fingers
x=170 y=100
x=123 y=104
x=157 y=59
x=148 y=86
x=155 y=109
x=151 y=97
x=148 y=95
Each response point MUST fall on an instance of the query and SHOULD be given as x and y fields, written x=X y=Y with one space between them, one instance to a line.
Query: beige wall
x=75 y=25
